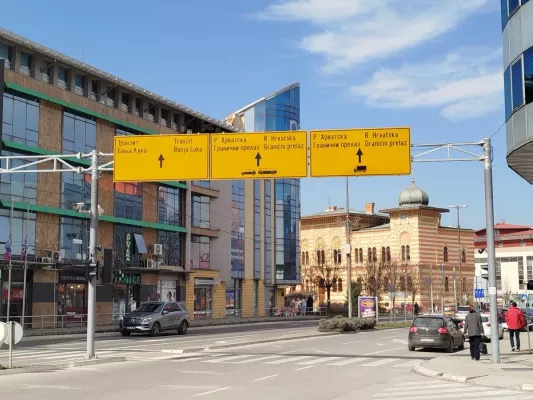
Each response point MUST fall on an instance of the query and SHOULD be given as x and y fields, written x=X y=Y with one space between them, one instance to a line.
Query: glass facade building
x=517 y=26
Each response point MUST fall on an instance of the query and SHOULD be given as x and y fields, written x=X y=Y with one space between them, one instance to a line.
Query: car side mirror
x=165 y=312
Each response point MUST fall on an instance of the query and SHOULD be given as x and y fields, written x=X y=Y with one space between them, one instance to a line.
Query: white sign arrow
x=402 y=341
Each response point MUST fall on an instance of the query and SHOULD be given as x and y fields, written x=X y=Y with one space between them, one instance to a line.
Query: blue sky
x=432 y=65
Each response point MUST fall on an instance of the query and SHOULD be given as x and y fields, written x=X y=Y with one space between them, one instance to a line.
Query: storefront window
x=203 y=298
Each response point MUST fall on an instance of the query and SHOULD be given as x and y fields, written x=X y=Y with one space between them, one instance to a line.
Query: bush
x=343 y=324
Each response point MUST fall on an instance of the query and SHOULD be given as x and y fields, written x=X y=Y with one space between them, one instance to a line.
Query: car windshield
x=150 y=307
x=429 y=322
x=484 y=319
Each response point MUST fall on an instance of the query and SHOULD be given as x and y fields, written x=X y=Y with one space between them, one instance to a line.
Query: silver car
x=155 y=317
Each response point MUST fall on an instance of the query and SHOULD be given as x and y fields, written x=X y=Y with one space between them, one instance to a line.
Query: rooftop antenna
x=82 y=53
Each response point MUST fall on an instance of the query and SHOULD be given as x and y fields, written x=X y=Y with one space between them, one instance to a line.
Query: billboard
x=367 y=307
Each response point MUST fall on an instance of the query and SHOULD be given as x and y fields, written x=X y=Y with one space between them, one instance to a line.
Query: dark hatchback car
x=435 y=331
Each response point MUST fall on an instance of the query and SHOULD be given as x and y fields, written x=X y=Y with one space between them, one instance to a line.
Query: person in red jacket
x=515 y=321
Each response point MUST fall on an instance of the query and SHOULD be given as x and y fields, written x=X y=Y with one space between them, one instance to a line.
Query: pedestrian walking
x=474 y=329
x=416 y=308
x=515 y=321
x=303 y=303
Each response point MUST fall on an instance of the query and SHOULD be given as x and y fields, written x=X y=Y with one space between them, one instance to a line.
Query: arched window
x=407 y=253
x=446 y=285
x=306 y=258
x=463 y=256
x=388 y=254
x=369 y=258
x=403 y=253
x=339 y=256
x=463 y=288
x=356 y=255
x=445 y=254
x=323 y=256
x=318 y=257
x=334 y=256
x=374 y=254
x=383 y=255
x=302 y=261
x=339 y=285
x=360 y=254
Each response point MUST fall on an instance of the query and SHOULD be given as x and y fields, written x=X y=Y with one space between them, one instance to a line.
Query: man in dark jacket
x=474 y=328
x=515 y=321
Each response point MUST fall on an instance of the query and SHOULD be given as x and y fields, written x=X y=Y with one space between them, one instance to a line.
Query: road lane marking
x=224 y=359
x=256 y=359
x=264 y=378
x=384 y=351
x=379 y=362
x=296 y=351
x=357 y=341
x=201 y=372
x=211 y=392
x=408 y=364
x=287 y=360
x=301 y=369
x=349 y=361
x=320 y=360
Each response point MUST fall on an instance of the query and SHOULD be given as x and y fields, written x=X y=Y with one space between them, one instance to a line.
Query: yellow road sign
x=360 y=152
x=161 y=157
x=266 y=155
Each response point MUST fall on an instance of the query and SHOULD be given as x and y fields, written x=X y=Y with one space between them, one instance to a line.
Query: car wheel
x=411 y=348
x=462 y=345
x=449 y=349
x=156 y=329
x=125 y=333
x=182 y=330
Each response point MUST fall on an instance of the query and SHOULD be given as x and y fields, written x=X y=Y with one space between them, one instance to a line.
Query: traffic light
x=91 y=269
x=107 y=267
x=485 y=271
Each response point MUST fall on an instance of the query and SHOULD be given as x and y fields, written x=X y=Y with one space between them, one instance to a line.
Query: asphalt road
x=366 y=365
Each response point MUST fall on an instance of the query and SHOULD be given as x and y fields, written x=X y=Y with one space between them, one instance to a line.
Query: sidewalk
x=515 y=371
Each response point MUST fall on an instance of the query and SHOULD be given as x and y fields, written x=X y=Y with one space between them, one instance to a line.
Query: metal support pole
x=91 y=301
x=25 y=244
x=491 y=257
x=10 y=327
x=460 y=258
x=10 y=264
x=348 y=252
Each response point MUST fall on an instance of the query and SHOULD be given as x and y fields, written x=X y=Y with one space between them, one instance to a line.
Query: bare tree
x=327 y=270
x=417 y=281
x=393 y=273
x=373 y=277
x=506 y=290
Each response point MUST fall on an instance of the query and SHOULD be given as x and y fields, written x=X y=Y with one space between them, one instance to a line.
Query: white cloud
x=356 y=31
x=462 y=84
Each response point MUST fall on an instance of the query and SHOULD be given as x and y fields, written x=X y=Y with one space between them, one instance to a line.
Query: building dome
x=413 y=196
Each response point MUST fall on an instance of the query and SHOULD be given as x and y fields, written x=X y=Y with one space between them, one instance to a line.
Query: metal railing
x=109 y=322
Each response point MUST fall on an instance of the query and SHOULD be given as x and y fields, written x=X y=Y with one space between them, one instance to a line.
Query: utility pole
x=459 y=254
x=91 y=301
x=10 y=263
x=25 y=244
x=348 y=251
x=491 y=257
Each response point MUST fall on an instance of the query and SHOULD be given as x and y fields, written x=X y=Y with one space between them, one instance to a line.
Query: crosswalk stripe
x=349 y=361
x=256 y=359
x=467 y=392
x=379 y=362
x=53 y=357
x=182 y=360
x=320 y=360
x=407 y=364
x=288 y=360
x=225 y=359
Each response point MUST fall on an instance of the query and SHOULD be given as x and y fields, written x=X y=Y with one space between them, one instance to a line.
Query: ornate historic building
x=401 y=253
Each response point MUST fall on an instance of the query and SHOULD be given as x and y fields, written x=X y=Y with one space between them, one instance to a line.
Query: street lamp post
x=459 y=253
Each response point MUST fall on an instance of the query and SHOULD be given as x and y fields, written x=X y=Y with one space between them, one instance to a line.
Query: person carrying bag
x=474 y=328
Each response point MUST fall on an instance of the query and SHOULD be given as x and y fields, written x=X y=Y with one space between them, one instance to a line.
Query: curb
x=227 y=346
x=419 y=369
x=52 y=367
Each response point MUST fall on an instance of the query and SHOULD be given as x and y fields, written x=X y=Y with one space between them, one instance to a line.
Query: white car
x=485 y=319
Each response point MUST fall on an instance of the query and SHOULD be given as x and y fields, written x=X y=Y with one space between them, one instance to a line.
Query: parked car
x=485 y=319
x=528 y=315
x=461 y=313
x=435 y=331
x=155 y=317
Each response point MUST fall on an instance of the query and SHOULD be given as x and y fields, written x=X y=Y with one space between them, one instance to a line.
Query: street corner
x=420 y=369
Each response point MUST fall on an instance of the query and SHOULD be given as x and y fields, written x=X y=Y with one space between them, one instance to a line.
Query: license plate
x=427 y=340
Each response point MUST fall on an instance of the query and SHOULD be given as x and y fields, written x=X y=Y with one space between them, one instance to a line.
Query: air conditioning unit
x=56 y=256
x=156 y=264
x=45 y=260
x=149 y=263
x=157 y=249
